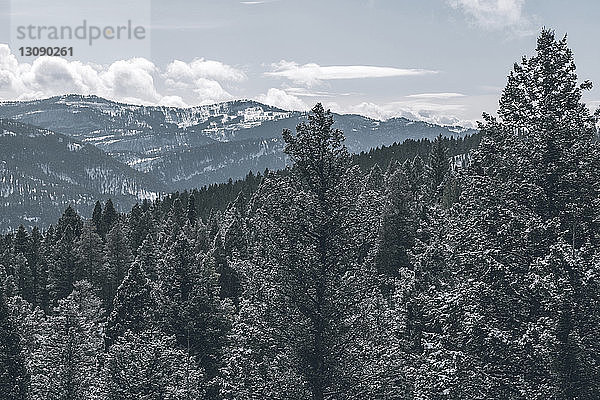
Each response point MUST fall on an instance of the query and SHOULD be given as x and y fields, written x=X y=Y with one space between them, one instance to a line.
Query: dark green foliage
x=439 y=168
x=189 y=304
x=14 y=378
x=97 y=216
x=149 y=366
x=454 y=274
x=108 y=219
x=135 y=305
x=398 y=226
x=229 y=281
x=117 y=261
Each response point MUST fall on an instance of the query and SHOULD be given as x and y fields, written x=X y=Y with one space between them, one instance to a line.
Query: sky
x=441 y=61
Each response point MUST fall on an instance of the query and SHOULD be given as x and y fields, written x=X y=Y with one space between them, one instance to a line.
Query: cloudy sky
x=443 y=61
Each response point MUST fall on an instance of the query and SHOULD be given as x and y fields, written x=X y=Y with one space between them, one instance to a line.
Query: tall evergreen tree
x=97 y=216
x=14 y=377
x=301 y=286
x=117 y=262
x=64 y=366
x=439 y=167
x=90 y=256
x=489 y=278
x=398 y=227
x=149 y=366
x=35 y=261
x=191 y=209
x=135 y=305
x=62 y=271
x=109 y=218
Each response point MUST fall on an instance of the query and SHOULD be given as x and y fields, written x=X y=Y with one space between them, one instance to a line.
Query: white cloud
x=435 y=95
x=201 y=77
x=136 y=80
x=303 y=92
x=181 y=84
x=311 y=74
x=208 y=91
x=280 y=98
x=172 y=101
x=179 y=71
x=132 y=80
x=496 y=14
x=435 y=113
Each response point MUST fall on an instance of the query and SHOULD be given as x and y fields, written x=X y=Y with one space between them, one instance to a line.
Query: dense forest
x=453 y=269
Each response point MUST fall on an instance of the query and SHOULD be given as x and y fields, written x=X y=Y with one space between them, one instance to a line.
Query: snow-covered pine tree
x=64 y=366
x=148 y=365
x=135 y=305
x=296 y=332
x=117 y=262
x=14 y=377
x=495 y=323
x=90 y=258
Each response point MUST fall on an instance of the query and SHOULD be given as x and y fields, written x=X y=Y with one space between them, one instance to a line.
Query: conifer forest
x=463 y=267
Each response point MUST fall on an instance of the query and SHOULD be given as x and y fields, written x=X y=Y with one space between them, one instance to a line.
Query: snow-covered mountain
x=148 y=138
x=161 y=148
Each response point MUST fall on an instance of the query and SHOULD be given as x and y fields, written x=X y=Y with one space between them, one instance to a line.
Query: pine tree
x=191 y=209
x=65 y=365
x=229 y=280
x=90 y=256
x=439 y=167
x=117 y=262
x=190 y=305
x=109 y=218
x=299 y=283
x=23 y=276
x=177 y=216
x=62 y=271
x=235 y=233
x=14 y=378
x=97 y=216
x=134 y=306
x=22 y=244
x=69 y=221
x=36 y=266
x=500 y=285
x=368 y=211
x=398 y=226
x=46 y=260
x=552 y=130
x=149 y=366
x=29 y=322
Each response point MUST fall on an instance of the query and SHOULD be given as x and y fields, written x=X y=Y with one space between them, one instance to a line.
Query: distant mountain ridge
x=147 y=150
x=152 y=138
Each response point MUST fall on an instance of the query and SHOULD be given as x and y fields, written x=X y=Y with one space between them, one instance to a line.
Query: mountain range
x=78 y=149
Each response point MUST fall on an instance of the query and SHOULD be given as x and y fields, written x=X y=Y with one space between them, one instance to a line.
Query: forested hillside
x=417 y=271
x=218 y=196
